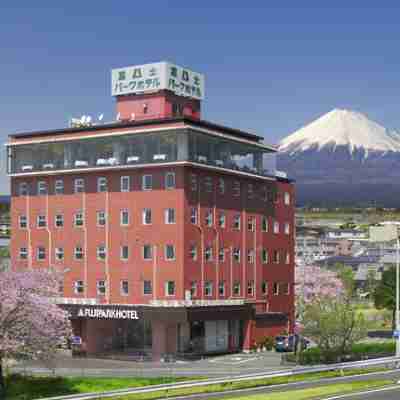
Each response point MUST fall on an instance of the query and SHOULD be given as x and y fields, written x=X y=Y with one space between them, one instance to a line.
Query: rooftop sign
x=157 y=76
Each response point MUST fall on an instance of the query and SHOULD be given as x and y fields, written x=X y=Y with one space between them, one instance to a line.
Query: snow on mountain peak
x=342 y=128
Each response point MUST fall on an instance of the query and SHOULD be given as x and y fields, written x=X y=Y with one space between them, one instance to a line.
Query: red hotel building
x=173 y=234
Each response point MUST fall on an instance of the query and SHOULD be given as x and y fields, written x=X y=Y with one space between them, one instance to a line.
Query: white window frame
x=276 y=227
x=236 y=189
x=193 y=252
x=39 y=252
x=124 y=284
x=42 y=188
x=125 y=183
x=193 y=215
x=287 y=228
x=237 y=221
x=208 y=288
x=236 y=254
x=251 y=224
x=275 y=289
x=102 y=184
x=146 y=213
x=23 y=253
x=100 y=286
x=264 y=284
x=101 y=218
x=193 y=182
x=150 y=292
x=23 y=189
x=80 y=213
x=166 y=256
x=79 y=287
x=276 y=257
x=59 y=186
x=222 y=220
x=208 y=254
x=40 y=219
x=79 y=185
x=208 y=184
x=145 y=185
x=250 y=288
x=286 y=198
x=264 y=224
x=250 y=256
x=193 y=289
x=168 y=212
x=151 y=252
x=122 y=213
x=209 y=218
x=58 y=220
x=99 y=251
x=221 y=254
x=236 y=285
x=23 y=220
x=221 y=185
x=78 y=250
x=166 y=185
x=221 y=285
x=59 y=253
x=167 y=287
x=121 y=252
x=264 y=256
x=287 y=257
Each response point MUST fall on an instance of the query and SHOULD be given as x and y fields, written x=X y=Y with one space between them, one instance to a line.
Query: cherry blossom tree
x=32 y=326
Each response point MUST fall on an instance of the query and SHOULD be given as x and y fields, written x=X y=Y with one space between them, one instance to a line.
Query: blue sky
x=269 y=69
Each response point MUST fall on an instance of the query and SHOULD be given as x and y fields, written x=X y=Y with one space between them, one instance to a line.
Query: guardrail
x=388 y=361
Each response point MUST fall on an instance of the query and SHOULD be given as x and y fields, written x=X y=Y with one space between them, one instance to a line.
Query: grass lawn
x=316 y=393
x=34 y=387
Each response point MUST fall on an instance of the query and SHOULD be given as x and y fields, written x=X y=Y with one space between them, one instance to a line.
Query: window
x=287 y=257
x=286 y=198
x=208 y=184
x=146 y=216
x=101 y=288
x=221 y=220
x=251 y=223
x=264 y=287
x=170 y=180
x=147 y=252
x=23 y=189
x=276 y=227
x=102 y=184
x=221 y=288
x=59 y=220
x=284 y=288
x=78 y=253
x=147 y=182
x=264 y=224
x=23 y=221
x=124 y=217
x=236 y=254
x=78 y=219
x=193 y=182
x=276 y=257
x=42 y=188
x=125 y=183
x=193 y=215
x=59 y=186
x=170 y=288
x=124 y=288
x=23 y=253
x=41 y=253
x=169 y=252
x=101 y=252
x=276 y=289
x=41 y=221
x=59 y=253
x=193 y=289
x=264 y=256
x=250 y=191
x=78 y=287
x=250 y=256
x=208 y=254
x=236 y=222
x=221 y=186
x=287 y=228
x=221 y=254
x=79 y=185
x=236 y=288
x=124 y=253
x=209 y=218
x=250 y=288
x=193 y=252
x=101 y=218
x=170 y=216
x=147 y=287
x=208 y=288
x=236 y=189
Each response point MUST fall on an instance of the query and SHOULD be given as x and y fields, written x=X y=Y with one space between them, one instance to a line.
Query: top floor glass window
x=125 y=183
x=23 y=189
x=102 y=184
x=147 y=182
x=79 y=185
x=42 y=188
x=170 y=180
x=59 y=186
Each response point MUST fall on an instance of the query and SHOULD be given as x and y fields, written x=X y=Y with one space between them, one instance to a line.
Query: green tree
x=346 y=275
x=385 y=293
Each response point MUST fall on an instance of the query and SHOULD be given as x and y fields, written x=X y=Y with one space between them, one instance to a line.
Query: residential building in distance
x=173 y=234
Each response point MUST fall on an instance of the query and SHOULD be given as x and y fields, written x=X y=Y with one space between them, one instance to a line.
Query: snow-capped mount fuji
x=343 y=157
x=342 y=128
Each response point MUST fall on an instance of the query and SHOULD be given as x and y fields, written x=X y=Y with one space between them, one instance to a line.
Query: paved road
x=390 y=393
x=211 y=367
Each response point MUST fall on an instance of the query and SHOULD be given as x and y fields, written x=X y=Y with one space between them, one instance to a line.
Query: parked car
x=284 y=343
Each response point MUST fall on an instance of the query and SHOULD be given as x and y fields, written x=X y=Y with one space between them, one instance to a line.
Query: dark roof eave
x=125 y=124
